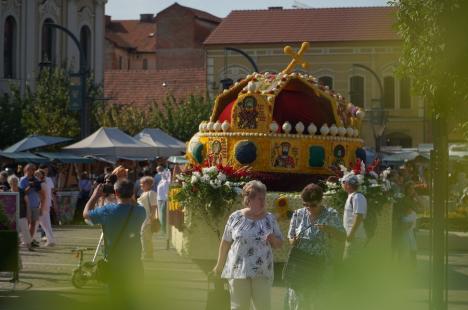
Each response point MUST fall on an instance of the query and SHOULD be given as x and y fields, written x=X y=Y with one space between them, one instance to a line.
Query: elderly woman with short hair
x=148 y=199
x=245 y=253
x=311 y=231
x=13 y=181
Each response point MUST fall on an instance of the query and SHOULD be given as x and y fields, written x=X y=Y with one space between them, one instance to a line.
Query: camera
x=108 y=189
x=35 y=184
x=108 y=183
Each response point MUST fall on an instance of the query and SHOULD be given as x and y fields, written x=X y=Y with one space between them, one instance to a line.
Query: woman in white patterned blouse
x=245 y=253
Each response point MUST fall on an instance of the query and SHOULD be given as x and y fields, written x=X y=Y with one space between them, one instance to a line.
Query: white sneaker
x=50 y=244
x=44 y=238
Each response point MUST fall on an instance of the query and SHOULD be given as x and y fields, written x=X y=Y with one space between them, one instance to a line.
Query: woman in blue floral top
x=245 y=253
x=311 y=230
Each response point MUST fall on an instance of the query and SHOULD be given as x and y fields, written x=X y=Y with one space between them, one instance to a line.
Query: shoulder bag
x=218 y=297
x=155 y=223
x=302 y=269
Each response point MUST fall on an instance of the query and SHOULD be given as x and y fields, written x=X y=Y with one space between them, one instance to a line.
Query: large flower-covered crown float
x=280 y=125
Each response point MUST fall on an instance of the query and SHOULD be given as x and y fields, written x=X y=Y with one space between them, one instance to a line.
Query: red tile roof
x=142 y=87
x=313 y=25
x=205 y=15
x=132 y=34
x=197 y=13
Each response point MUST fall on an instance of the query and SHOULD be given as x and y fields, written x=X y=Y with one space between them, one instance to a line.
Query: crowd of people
x=36 y=192
x=245 y=256
x=127 y=211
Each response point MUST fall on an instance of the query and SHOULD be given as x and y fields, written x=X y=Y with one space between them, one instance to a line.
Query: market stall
x=112 y=144
x=165 y=144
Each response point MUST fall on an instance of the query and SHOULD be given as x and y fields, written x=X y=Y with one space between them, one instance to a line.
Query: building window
x=9 y=51
x=389 y=92
x=48 y=52
x=120 y=62
x=398 y=139
x=405 y=95
x=85 y=41
x=326 y=81
x=356 y=91
x=145 y=64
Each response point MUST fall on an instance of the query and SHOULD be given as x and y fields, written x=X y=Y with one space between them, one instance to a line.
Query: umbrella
x=32 y=142
x=65 y=158
x=24 y=157
x=181 y=160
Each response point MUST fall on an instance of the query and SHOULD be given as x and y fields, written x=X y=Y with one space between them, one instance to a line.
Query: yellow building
x=340 y=39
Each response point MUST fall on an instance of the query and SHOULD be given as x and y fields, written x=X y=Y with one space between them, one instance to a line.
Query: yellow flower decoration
x=282 y=206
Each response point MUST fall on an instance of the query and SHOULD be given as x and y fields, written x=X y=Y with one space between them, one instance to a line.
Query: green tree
x=180 y=118
x=128 y=118
x=10 y=111
x=435 y=54
x=46 y=109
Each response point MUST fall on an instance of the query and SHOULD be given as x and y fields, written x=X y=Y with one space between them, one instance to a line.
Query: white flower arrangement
x=210 y=191
x=376 y=188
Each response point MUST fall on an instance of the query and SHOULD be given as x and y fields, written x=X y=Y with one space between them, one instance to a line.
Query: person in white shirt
x=44 y=217
x=162 y=194
x=148 y=200
x=355 y=212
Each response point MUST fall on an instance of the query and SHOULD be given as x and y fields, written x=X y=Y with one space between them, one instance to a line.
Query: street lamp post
x=82 y=94
x=378 y=116
x=227 y=82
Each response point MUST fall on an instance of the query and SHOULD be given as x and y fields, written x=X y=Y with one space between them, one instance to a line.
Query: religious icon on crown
x=282 y=155
x=247 y=115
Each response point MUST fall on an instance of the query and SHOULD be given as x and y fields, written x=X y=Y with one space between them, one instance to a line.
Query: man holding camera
x=121 y=224
x=34 y=195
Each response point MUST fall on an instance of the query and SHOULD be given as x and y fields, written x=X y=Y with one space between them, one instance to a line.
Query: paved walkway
x=172 y=282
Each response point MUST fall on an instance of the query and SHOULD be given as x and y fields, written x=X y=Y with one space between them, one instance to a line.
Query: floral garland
x=211 y=190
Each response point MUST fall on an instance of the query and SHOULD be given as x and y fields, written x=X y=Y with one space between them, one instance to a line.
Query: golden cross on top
x=297 y=57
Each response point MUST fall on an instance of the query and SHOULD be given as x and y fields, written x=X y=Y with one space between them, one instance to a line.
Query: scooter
x=86 y=270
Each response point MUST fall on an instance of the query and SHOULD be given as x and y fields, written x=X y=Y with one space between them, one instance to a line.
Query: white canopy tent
x=165 y=144
x=112 y=144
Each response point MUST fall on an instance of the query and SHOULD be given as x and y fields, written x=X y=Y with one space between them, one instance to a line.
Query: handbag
x=155 y=223
x=218 y=297
x=102 y=272
x=302 y=269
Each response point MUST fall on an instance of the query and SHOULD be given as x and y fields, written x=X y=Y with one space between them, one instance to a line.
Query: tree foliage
x=46 y=109
x=128 y=118
x=179 y=118
x=435 y=53
x=11 y=112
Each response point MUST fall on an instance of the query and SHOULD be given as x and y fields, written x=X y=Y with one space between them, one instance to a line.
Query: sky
x=131 y=9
